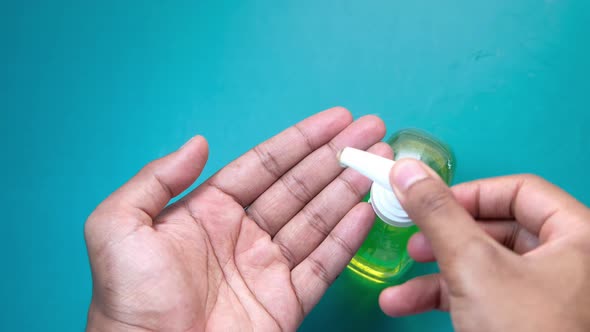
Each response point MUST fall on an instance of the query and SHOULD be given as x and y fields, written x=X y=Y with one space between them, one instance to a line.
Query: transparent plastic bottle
x=383 y=257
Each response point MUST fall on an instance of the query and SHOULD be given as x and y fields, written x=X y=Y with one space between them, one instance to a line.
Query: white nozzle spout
x=370 y=165
x=377 y=168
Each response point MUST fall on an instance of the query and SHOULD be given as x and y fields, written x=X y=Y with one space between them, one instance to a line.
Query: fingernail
x=407 y=172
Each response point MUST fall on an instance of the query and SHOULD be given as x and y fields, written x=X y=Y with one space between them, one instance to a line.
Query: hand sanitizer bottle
x=383 y=257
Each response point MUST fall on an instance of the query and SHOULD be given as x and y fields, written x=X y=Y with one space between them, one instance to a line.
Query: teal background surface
x=91 y=91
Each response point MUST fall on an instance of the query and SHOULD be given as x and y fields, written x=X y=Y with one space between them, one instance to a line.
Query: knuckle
x=474 y=251
x=477 y=247
x=306 y=138
x=466 y=259
x=350 y=187
x=287 y=254
x=316 y=220
x=513 y=237
x=320 y=271
x=433 y=200
x=333 y=147
x=261 y=219
x=297 y=187
x=268 y=160
x=341 y=243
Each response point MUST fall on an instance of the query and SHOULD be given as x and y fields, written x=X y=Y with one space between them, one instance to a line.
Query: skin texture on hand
x=513 y=253
x=252 y=248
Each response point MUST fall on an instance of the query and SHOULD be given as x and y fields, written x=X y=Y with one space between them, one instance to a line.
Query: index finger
x=542 y=208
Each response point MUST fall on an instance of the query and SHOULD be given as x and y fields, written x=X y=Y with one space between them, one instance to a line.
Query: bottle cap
x=384 y=202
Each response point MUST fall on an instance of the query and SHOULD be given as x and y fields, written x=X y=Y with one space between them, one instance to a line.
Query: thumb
x=143 y=197
x=432 y=206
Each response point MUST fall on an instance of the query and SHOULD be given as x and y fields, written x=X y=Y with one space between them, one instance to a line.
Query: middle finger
x=304 y=181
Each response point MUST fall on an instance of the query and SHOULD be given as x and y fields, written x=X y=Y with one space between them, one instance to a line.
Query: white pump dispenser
x=384 y=202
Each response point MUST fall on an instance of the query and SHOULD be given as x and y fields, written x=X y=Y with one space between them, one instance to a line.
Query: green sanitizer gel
x=383 y=257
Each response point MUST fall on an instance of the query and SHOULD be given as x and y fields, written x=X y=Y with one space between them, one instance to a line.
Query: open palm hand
x=252 y=248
